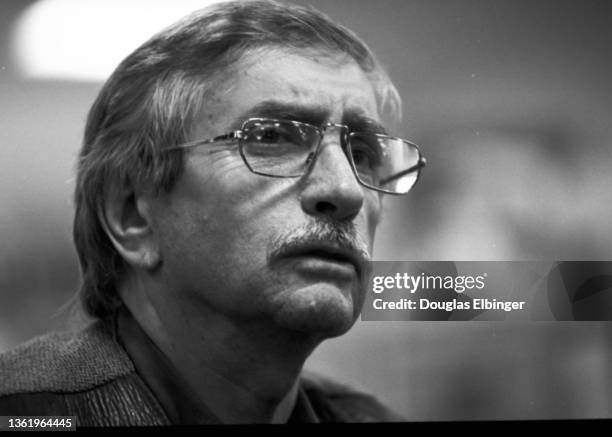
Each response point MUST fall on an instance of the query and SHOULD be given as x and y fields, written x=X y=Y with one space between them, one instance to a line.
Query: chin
x=322 y=310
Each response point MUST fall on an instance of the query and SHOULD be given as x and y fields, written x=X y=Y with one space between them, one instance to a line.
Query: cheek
x=230 y=206
x=211 y=170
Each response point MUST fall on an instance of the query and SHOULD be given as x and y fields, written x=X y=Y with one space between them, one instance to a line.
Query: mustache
x=341 y=234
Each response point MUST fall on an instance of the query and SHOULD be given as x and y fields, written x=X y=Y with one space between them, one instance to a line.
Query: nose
x=331 y=190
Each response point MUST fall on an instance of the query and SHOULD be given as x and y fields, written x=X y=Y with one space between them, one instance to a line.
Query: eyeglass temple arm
x=231 y=136
x=422 y=162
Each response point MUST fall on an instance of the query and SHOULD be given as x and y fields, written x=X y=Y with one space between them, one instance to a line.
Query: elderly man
x=228 y=192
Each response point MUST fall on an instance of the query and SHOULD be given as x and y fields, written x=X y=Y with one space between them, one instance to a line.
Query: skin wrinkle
x=231 y=378
x=344 y=234
x=258 y=319
x=225 y=162
x=288 y=182
x=224 y=85
x=294 y=90
x=234 y=322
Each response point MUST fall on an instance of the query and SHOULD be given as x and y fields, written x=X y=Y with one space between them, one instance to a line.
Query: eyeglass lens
x=285 y=148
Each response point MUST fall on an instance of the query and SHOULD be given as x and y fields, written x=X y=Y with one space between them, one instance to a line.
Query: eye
x=277 y=133
x=362 y=158
x=270 y=135
x=365 y=152
x=275 y=139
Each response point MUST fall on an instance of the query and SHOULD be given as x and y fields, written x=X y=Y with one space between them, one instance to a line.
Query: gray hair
x=151 y=99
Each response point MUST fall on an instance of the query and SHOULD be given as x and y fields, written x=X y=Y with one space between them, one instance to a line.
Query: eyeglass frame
x=344 y=144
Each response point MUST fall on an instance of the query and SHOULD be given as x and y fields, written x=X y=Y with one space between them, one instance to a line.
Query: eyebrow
x=354 y=118
x=315 y=115
x=357 y=121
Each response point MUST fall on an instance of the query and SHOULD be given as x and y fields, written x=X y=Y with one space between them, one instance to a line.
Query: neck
x=243 y=372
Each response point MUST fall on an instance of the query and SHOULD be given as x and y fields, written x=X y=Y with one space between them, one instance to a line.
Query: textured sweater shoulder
x=88 y=374
x=64 y=362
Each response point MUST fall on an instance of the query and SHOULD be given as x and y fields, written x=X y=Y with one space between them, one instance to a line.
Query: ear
x=126 y=218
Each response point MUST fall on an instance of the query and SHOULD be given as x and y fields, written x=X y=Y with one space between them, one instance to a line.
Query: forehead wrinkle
x=295 y=91
x=308 y=93
x=312 y=113
x=254 y=75
x=347 y=102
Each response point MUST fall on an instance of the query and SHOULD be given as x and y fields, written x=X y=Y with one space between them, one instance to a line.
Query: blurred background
x=511 y=102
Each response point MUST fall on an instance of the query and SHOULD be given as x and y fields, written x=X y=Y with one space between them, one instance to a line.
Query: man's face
x=254 y=248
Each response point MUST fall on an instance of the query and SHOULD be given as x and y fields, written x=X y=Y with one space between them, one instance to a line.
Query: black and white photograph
x=439 y=250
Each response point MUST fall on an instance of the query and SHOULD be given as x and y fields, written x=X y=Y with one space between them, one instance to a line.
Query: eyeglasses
x=289 y=149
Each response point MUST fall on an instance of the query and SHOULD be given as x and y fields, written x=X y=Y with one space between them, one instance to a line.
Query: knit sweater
x=88 y=374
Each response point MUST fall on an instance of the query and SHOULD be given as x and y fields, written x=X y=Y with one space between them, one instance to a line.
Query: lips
x=327 y=253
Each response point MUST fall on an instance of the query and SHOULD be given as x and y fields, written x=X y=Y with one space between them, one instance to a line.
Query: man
x=228 y=192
